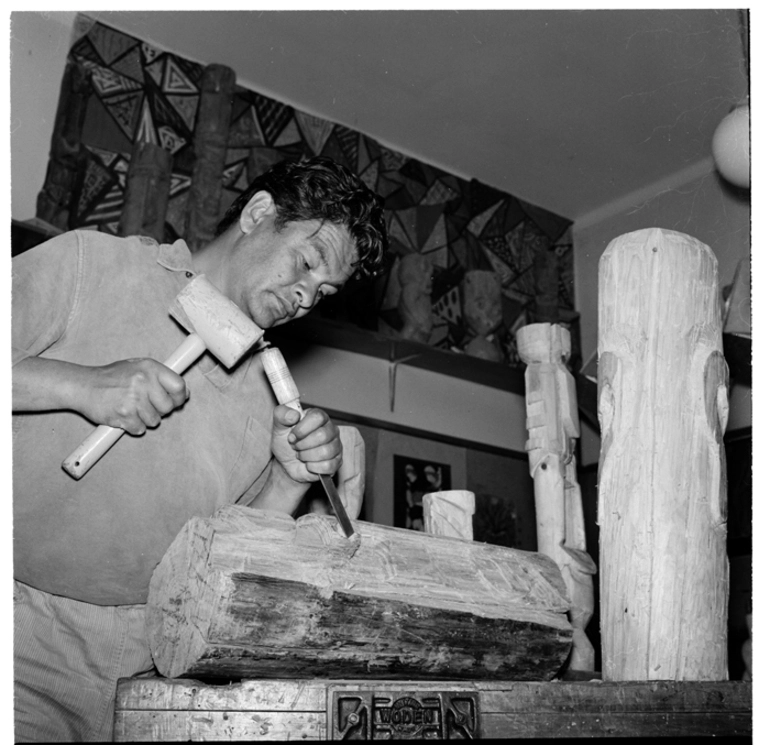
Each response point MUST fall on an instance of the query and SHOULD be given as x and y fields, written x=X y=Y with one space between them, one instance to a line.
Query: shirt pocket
x=253 y=457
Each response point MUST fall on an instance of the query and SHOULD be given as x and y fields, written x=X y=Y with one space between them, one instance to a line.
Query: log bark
x=146 y=199
x=67 y=156
x=253 y=593
x=662 y=491
x=211 y=131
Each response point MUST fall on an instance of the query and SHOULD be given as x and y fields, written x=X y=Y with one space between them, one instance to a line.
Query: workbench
x=161 y=709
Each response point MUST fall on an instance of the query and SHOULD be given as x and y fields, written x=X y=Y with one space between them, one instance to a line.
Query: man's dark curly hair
x=322 y=189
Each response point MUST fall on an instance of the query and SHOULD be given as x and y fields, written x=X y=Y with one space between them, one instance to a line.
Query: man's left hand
x=307 y=447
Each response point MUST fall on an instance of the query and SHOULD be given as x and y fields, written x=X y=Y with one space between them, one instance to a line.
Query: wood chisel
x=286 y=393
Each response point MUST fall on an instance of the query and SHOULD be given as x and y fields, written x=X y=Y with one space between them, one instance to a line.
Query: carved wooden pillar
x=210 y=143
x=146 y=198
x=662 y=490
x=553 y=426
x=67 y=153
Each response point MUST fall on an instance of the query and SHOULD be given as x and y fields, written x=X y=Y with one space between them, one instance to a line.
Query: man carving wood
x=90 y=321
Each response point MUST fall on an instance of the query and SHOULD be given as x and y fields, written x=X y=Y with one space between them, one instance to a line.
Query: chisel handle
x=286 y=393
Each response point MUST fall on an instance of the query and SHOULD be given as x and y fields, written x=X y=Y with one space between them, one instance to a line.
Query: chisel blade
x=337 y=506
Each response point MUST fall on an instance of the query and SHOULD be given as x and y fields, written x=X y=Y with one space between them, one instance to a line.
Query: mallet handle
x=104 y=437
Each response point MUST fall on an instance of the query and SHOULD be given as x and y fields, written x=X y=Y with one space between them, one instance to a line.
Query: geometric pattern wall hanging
x=143 y=93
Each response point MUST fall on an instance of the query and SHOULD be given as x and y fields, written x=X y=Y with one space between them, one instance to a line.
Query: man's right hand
x=132 y=394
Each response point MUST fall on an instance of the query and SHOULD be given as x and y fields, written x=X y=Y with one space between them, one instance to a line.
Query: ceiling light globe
x=731 y=147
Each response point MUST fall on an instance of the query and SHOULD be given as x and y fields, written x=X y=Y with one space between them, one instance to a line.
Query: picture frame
x=389 y=506
x=412 y=479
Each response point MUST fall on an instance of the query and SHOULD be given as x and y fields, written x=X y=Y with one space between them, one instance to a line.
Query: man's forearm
x=40 y=384
x=280 y=491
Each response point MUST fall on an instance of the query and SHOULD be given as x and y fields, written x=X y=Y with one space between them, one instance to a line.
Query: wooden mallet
x=217 y=324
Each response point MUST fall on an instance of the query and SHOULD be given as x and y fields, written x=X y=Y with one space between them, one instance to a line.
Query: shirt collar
x=175 y=256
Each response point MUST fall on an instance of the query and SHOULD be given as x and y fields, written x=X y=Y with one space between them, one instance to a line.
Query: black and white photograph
x=277 y=274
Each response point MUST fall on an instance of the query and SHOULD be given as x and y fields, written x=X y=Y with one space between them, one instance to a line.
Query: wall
x=359 y=385
x=39 y=46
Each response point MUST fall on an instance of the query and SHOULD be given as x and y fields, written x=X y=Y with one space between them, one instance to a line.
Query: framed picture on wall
x=413 y=478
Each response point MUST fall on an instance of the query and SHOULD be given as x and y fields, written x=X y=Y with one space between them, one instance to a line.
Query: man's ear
x=260 y=206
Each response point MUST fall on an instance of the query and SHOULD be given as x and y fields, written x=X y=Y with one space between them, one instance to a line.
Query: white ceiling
x=569 y=110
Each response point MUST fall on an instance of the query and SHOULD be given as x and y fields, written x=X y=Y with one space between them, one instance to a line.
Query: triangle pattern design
x=142 y=92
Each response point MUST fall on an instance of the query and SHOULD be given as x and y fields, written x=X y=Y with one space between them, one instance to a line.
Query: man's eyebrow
x=321 y=250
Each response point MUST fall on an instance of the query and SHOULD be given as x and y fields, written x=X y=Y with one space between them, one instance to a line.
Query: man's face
x=277 y=276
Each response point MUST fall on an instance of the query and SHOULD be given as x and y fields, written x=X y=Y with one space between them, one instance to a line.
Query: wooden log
x=160 y=710
x=147 y=186
x=67 y=155
x=553 y=427
x=662 y=492
x=210 y=143
x=254 y=593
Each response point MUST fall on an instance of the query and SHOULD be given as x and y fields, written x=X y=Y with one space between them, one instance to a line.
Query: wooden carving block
x=254 y=593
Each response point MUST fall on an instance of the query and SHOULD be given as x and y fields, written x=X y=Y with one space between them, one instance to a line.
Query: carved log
x=211 y=132
x=553 y=426
x=253 y=593
x=662 y=492
x=450 y=513
x=146 y=199
x=67 y=153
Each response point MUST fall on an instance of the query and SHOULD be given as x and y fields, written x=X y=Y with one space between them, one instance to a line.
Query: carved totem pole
x=553 y=426
x=662 y=489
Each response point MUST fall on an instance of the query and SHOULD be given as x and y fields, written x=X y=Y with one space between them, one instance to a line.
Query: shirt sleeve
x=45 y=283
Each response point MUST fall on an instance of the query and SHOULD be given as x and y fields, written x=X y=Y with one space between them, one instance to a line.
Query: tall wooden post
x=148 y=182
x=211 y=131
x=662 y=491
x=553 y=426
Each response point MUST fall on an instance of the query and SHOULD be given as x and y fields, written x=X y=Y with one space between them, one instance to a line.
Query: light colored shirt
x=91 y=298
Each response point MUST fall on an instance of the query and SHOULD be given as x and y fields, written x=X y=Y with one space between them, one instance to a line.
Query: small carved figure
x=483 y=313
x=415 y=273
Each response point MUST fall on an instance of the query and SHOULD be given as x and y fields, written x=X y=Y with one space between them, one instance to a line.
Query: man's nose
x=306 y=293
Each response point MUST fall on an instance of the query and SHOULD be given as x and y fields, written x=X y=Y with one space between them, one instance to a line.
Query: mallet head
x=225 y=329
